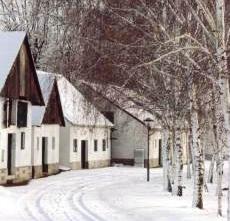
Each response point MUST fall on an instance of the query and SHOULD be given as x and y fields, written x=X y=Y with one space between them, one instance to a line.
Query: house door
x=11 y=154
x=139 y=157
x=84 y=154
x=45 y=154
x=160 y=153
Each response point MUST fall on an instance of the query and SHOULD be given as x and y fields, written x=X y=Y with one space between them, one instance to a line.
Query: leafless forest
x=168 y=57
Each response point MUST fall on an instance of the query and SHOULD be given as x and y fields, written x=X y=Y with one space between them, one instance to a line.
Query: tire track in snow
x=35 y=210
x=32 y=208
x=60 y=201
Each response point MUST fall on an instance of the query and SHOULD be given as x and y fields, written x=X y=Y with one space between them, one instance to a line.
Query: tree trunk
x=219 y=182
x=178 y=185
x=166 y=161
x=223 y=81
x=189 y=144
x=211 y=169
x=198 y=155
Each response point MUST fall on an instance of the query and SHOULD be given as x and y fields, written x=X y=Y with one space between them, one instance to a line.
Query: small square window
x=104 y=145
x=53 y=143
x=23 y=140
x=95 y=145
x=37 y=143
x=3 y=154
x=74 y=145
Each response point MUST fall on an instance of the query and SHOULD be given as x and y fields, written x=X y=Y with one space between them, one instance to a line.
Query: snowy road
x=109 y=194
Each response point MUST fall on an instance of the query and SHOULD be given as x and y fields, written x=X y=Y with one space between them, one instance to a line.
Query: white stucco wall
x=48 y=131
x=64 y=150
x=90 y=134
x=130 y=134
x=22 y=156
x=67 y=155
x=154 y=149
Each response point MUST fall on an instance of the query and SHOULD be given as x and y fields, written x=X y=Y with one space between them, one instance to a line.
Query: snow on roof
x=124 y=103
x=76 y=108
x=46 y=81
x=10 y=44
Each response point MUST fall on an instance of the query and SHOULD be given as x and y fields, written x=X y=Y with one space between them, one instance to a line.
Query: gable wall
x=23 y=157
x=130 y=134
x=22 y=79
x=48 y=131
x=53 y=113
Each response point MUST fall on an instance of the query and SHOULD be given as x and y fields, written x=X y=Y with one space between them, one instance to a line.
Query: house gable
x=53 y=113
x=21 y=81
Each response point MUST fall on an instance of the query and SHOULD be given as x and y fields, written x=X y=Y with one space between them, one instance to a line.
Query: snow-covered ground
x=108 y=194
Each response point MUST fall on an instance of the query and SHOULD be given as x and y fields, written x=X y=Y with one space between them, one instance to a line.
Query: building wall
x=64 y=152
x=95 y=159
x=155 y=149
x=129 y=134
x=22 y=156
x=48 y=131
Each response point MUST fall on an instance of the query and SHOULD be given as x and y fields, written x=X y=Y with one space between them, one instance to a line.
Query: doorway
x=11 y=147
x=45 y=154
x=160 y=153
x=84 y=154
x=139 y=157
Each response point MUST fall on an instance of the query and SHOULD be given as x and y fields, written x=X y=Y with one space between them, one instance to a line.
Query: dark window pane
x=22 y=140
x=95 y=145
x=22 y=114
x=104 y=145
x=74 y=145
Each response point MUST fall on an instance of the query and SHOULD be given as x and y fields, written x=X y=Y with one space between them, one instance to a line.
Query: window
x=53 y=143
x=74 y=145
x=5 y=108
x=104 y=145
x=37 y=143
x=9 y=112
x=3 y=153
x=22 y=140
x=22 y=114
x=95 y=145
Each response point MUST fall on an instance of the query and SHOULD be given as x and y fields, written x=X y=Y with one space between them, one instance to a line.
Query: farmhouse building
x=130 y=135
x=19 y=90
x=46 y=121
x=85 y=141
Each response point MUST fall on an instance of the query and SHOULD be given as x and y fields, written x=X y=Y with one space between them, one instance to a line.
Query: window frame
x=38 y=143
x=103 y=144
x=75 y=145
x=23 y=140
x=53 y=143
x=95 y=144
x=22 y=106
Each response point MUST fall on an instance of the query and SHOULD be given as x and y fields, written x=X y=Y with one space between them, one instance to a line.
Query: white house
x=19 y=91
x=85 y=140
x=46 y=121
x=130 y=135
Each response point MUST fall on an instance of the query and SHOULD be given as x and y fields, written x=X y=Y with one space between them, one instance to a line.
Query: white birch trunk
x=211 y=169
x=223 y=80
x=178 y=184
x=198 y=155
x=219 y=182
x=166 y=161
x=189 y=157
